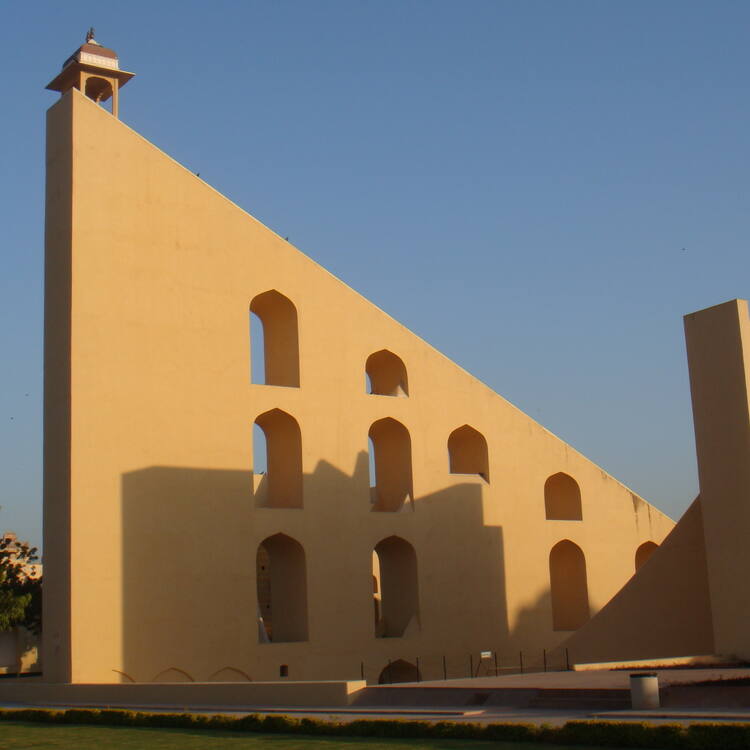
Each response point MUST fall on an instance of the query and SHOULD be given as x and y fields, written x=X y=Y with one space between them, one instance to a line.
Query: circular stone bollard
x=644 y=690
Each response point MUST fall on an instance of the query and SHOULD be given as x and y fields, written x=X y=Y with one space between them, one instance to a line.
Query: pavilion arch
x=399 y=671
x=562 y=498
x=643 y=553
x=281 y=486
x=467 y=452
x=395 y=588
x=280 y=351
x=98 y=89
x=568 y=586
x=281 y=582
x=386 y=374
x=390 y=447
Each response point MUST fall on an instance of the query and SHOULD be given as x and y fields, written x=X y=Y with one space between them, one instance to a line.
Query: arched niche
x=173 y=674
x=568 y=586
x=394 y=576
x=399 y=671
x=643 y=553
x=467 y=452
x=230 y=674
x=562 y=498
x=390 y=460
x=386 y=374
x=281 y=583
x=274 y=340
x=281 y=485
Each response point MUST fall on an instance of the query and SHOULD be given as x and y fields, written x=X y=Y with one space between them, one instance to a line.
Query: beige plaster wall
x=718 y=345
x=149 y=449
x=177 y=696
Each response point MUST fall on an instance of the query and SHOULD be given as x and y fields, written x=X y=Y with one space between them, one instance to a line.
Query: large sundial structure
x=402 y=511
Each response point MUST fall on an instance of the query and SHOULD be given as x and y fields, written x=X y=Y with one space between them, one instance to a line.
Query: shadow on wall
x=194 y=607
x=531 y=646
x=528 y=647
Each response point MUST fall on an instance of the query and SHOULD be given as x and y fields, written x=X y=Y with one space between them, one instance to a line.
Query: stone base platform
x=600 y=691
x=181 y=694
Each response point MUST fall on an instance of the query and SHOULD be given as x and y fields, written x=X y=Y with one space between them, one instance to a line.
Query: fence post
x=520 y=659
x=390 y=675
x=419 y=674
x=445 y=670
x=362 y=669
x=471 y=665
x=495 y=663
x=567 y=660
x=544 y=658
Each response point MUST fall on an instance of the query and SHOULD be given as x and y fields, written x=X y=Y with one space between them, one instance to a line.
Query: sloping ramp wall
x=664 y=610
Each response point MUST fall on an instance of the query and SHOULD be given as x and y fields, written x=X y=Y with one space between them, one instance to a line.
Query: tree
x=20 y=585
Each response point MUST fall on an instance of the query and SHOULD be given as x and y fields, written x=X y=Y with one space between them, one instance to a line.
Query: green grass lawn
x=14 y=736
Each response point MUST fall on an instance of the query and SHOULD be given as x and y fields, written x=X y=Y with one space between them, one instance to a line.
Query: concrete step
x=582 y=698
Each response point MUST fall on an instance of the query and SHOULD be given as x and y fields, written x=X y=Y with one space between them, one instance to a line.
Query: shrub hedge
x=602 y=733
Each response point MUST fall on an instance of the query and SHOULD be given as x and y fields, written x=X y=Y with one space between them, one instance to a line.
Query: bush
x=618 y=734
x=116 y=717
x=31 y=714
x=602 y=733
x=511 y=733
x=168 y=721
x=278 y=723
x=724 y=736
x=250 y=723
x=81 y=716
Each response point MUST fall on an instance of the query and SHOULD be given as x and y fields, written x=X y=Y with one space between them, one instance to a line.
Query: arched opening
x=562 y=498
x=281 y=581
x=277 y=469
x=394 y=572
x=568 y=586
x=467 y=453
x=643 y=553
x=257 y=349
x=390 y=459
x=399 y=671
x=371 y=470
x=260 y=451
x=274 y=341
x=386 y=374
x=377 y=609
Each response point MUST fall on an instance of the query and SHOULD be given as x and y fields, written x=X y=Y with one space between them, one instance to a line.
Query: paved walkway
x=597 y=679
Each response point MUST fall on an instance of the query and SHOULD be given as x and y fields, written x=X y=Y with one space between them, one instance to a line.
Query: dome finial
x=90 y=34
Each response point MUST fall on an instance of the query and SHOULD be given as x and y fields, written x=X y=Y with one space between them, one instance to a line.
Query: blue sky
x=540 y=188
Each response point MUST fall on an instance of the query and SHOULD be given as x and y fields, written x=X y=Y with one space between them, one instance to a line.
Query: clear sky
x=540 y=189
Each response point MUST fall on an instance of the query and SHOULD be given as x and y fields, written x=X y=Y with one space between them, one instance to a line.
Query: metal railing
x=405 y=668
